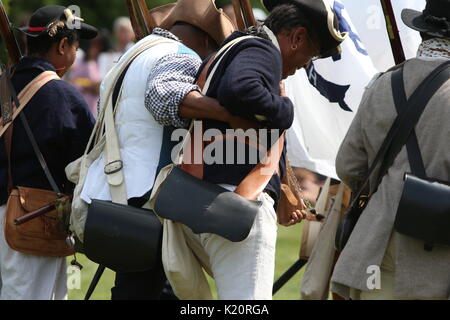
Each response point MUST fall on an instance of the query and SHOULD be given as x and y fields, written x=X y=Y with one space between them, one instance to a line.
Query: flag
x=368 y=17
x=327 y=94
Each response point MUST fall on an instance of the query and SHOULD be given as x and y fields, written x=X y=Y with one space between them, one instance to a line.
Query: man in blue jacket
x=61 y=123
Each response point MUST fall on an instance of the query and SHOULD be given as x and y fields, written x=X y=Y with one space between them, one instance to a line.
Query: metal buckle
x=113 y=167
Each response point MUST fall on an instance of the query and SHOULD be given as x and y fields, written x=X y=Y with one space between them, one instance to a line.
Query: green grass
x=288 y=248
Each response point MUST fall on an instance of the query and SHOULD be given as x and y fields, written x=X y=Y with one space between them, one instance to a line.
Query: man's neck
x=434 y=48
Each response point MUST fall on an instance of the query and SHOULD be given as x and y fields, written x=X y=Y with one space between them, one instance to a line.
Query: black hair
x=287 y=17
x=43 y=43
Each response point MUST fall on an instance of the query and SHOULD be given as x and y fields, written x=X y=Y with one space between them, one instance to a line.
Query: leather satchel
x=206 y=207
x=42 y=234
x=424 y=209
x=121 y=237
x=401 y=131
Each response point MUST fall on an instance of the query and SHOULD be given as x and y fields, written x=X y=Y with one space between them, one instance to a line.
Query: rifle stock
x=7 y=34
x=244 y=14
x=141 y=19
x=14 y=55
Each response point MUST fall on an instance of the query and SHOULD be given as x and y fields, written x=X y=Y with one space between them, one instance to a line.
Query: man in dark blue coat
x=62 y=124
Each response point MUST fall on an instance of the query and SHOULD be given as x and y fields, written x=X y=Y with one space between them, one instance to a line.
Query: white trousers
x=27 y=277
x=244 y=270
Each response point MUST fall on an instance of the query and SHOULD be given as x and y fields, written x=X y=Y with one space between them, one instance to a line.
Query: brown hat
x=200 y=13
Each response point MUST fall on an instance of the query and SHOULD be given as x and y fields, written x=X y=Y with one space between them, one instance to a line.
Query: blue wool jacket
x=61 y=123
x=247 y=83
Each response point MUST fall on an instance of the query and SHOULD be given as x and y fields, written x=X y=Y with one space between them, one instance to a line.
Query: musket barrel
x=394 y=34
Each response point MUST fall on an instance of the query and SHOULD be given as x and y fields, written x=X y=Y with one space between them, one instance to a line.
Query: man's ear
x=62 y=45
x=298 y=36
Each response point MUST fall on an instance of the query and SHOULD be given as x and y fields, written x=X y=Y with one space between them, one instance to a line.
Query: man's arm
x=172 y=96
x=198 y=106
x=251 y=87
x=352 y=159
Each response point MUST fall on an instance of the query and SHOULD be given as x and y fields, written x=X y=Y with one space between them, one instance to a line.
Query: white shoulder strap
x=113 y=159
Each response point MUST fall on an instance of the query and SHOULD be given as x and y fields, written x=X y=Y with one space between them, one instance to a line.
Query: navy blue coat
x=247 y=83
x=61 y=122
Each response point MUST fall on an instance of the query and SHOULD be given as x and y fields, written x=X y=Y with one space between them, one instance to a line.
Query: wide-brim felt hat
x=324 y=19
x=202 y=14
x=44 y=20
x=434 y=20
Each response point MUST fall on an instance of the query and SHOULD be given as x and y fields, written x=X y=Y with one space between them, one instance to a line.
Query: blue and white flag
x=327 y=94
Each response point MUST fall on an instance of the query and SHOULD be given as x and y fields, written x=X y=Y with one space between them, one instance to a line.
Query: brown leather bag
x=40 y=236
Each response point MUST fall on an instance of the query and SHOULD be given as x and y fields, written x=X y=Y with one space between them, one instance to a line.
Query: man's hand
x=298 y=216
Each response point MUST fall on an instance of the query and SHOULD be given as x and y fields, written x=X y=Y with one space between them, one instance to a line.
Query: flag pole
x=394 y=34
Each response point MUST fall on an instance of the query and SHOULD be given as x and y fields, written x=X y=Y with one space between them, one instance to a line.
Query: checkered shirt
x=170 y=81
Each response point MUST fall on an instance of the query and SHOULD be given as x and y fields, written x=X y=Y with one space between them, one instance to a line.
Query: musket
x=141 y=19
x=394 y=34
x=7 y=34
x=36 y=214
x=14 y=55
x=244 y=14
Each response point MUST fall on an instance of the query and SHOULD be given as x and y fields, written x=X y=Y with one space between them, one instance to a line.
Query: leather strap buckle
x=113 y=167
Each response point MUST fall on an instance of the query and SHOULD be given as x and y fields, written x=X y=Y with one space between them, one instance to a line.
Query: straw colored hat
x=200 y=13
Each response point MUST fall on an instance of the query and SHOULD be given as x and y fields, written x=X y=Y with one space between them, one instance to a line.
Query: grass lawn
x=288 y=248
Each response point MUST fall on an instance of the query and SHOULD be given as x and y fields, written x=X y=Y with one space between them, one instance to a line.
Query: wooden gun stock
x=34 y=215
x=141 y=19
x=244 y=14
x=7 y=34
